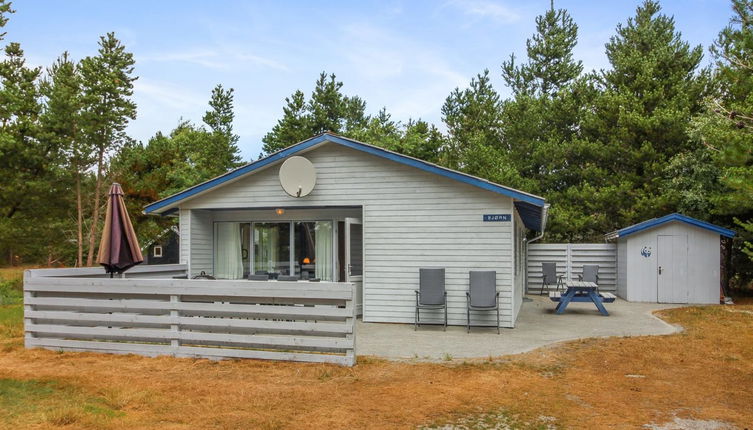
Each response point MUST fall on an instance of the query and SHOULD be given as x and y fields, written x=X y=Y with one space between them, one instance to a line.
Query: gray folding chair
x=550 y=277
x=590 y=274
x=431 y=293
x=482 y=294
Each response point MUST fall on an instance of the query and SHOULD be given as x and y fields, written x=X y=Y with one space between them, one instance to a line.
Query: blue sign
x=497 y=217
x=646 y=251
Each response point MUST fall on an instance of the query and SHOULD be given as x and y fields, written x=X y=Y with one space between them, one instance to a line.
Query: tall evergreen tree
x=61 y=124
x=542 y=117
x=223 y=153
x=726 y=126
x=550 y=65
x=472 y=117
x=107 y=81
x=636 y=122
x=328 y=109
x=293 y=127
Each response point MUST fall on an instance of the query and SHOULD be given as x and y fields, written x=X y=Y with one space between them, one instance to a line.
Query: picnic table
x=581 y=291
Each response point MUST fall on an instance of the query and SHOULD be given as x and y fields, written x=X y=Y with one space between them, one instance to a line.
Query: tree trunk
x=79 y=221
x=95 y=210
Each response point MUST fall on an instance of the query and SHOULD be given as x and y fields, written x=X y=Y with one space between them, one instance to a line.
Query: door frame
x=356 y=279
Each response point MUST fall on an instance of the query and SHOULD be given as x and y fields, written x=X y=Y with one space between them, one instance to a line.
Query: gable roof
x=526 y=200
x=655 y=222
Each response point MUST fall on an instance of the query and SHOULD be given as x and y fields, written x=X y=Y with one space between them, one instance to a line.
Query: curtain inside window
x=228 y=261
x=323 y=243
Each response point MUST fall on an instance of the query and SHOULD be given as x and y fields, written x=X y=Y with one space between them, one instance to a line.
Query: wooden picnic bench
x=580 y=291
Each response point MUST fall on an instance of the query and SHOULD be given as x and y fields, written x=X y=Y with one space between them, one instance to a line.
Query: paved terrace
x=537 y=326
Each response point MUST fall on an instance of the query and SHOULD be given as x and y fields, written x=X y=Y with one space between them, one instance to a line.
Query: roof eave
x=160 y=206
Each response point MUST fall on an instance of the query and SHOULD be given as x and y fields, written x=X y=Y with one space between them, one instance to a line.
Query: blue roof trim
x=326 y=137
x=531 y=215
x=645 y=225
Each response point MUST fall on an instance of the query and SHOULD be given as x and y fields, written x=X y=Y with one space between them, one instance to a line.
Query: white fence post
x=175 y=342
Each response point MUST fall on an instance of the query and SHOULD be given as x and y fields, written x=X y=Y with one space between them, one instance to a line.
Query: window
x=313 y=250
x=157 y=251
x=272 y=247
x=231 y=258
x=299 y=248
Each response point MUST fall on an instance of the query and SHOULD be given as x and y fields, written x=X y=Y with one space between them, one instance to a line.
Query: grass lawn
x=702 y=373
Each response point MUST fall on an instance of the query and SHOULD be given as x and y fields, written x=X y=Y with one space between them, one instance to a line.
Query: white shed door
x=672 y=270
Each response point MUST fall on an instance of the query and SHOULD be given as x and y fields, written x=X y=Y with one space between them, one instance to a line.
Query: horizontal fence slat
x=570 y=259
x=188 y=287
x=300 y=321
x=186 y=351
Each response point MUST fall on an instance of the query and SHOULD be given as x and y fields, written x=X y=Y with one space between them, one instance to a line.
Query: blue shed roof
x=646 y=225
x=532 y=218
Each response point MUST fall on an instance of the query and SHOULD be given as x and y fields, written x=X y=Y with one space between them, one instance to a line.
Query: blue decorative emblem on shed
x=497 y=217
x=646 y=251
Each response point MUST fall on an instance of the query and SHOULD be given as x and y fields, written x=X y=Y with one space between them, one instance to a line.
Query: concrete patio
x=537 y=326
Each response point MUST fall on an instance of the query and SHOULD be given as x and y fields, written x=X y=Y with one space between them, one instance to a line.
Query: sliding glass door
x=300 y=248
x=313 y=250
x=231 y=259
x=272 y=248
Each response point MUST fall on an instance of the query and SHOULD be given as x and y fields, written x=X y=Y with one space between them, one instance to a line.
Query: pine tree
x=223 y=153
x=293 y=127
x=472 y=117
x=326 y=108
x=637 y=120
x=22 y=156
x=61 y=124
x=550 y=65
x=726 y=127
x=107 y=81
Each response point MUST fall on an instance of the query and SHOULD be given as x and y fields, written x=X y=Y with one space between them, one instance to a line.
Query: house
x=672 y=259
x=334 y=209
x=163 y=249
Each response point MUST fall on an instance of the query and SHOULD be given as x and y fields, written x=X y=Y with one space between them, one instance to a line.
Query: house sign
x=497 y=217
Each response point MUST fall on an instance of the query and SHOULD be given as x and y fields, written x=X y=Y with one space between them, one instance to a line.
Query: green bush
x=11 y=292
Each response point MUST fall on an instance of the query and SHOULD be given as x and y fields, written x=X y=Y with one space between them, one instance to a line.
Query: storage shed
x=338 y=210
x=672 y=259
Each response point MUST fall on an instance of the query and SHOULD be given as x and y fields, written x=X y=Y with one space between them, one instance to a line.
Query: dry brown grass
x=705 y=372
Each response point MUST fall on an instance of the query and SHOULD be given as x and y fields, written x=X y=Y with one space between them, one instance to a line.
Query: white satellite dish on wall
x=297 y=176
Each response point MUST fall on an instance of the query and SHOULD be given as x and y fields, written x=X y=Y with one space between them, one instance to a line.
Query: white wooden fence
x=570 y=258
x=298 y=321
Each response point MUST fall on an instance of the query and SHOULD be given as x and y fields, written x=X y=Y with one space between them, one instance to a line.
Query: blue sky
x=404 y=55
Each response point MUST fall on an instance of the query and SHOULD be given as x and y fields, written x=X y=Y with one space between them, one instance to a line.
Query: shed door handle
x=660 y=270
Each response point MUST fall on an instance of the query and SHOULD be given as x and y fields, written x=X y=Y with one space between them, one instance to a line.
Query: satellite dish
x=297 y=176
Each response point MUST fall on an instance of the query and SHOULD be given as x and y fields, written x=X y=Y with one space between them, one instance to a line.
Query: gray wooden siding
x=411 y=219
x=570 y=258
x=191 y=318
x=518 y=264
x=202 y=242
x=622 y=269
x=185 y=236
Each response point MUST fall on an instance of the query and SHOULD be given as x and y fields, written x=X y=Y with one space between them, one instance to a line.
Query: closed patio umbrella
x=119 y=248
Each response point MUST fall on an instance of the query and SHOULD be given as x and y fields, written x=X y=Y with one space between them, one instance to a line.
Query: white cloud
x=169 y=95
x=215 y=58
x=486 y=9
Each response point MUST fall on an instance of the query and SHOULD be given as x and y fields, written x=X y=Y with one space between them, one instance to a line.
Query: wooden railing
x=298 y=321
